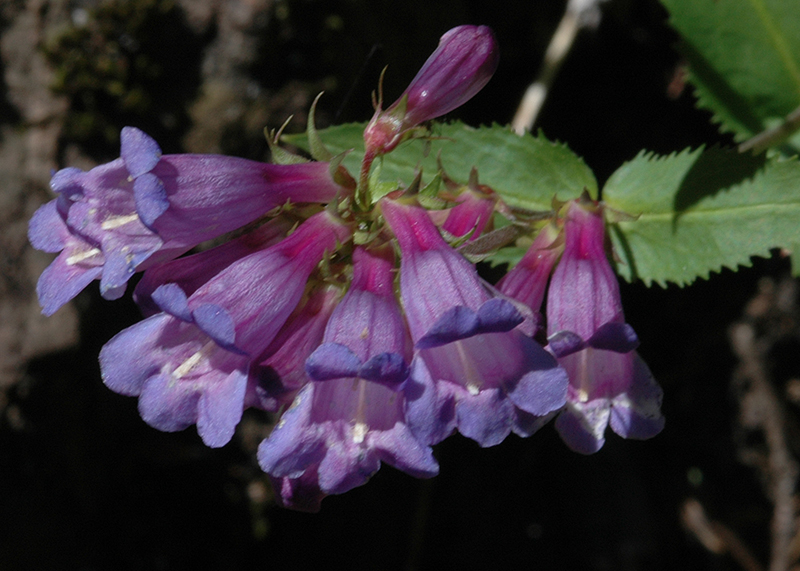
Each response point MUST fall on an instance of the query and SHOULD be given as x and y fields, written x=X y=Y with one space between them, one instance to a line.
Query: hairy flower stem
x=363 y=197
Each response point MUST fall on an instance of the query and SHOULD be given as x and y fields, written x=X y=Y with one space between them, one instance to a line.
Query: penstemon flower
x=463 y=63
x=609 y=383
x=350 y=416
x=473 y=211
x=474 y=368
x=190 y=363
x=527 y=281
x=145 y=208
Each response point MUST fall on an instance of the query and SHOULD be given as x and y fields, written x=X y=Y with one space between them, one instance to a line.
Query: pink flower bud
x=462 y=64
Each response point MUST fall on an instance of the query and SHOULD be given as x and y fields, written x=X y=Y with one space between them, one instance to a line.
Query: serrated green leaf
x=700 y=211
x=527 y=171
x=744 y=59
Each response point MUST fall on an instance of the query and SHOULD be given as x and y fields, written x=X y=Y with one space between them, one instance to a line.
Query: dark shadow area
x=720 y=89
x=713 y=171
x=8 y=113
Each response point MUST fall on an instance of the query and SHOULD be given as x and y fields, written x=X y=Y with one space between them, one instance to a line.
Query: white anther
x=117 y=221
x=81 y=256
x=188 y=365
x=359 y=432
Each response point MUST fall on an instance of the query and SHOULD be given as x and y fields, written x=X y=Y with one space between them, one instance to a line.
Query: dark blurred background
x=85 y=484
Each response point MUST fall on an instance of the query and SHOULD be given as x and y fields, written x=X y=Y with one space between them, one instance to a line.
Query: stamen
x=584 y=374
x=81 y=256
x=474 y=383
x=360 y=428
x=188 y=365
x=117 y=221
x=359 y=432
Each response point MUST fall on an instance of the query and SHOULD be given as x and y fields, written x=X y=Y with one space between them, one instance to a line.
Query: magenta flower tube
x=609 y=384
x=145 y=208
x=462 y=64
x=190 y=363
x=474 y=369
x=350 y=416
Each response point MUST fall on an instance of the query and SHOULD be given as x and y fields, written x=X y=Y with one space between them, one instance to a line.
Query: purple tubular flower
x=281 y=372
x=145 y=208
x=527 y=281
x=181 y=376
x=350 y=417
x=189 y=364
x=472 y=213
x=191 y=272
x=463 y=63
x=609 y=382
x=474 y=369
x=77 y=265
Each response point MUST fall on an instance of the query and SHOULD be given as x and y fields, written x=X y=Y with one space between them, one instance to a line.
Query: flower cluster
x=608 y=382
x=355 y=318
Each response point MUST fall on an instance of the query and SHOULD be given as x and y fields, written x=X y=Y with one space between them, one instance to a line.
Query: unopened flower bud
x=462 y=64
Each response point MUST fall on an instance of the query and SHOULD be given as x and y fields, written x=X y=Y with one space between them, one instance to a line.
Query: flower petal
x=430 y=414
x=497 y=316
x=615 y=336
x=171 y=299
x=139 y=151
x=637 y=412
x=456 y=323
x=219 y=409
x=216 y=322
x=332 y=361
x=582 y=425
x=122 y=371
x=388 y=369
x=345 y=466
x=399 y=448
x=485 y=417
x=541 y=391
x=563 y=343
x=167 y=405
x=46 y=229
x=294 y=444
x=150 y=198
x=62 y=281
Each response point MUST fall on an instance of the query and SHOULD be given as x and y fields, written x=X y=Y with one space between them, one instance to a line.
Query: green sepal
x=315 y=145
x=280 y=155
x=527 y=171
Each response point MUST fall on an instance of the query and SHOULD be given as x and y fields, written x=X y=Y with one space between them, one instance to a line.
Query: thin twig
x=763 y=407
x=579 y=14
x=716 y=537
x=772 y=137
